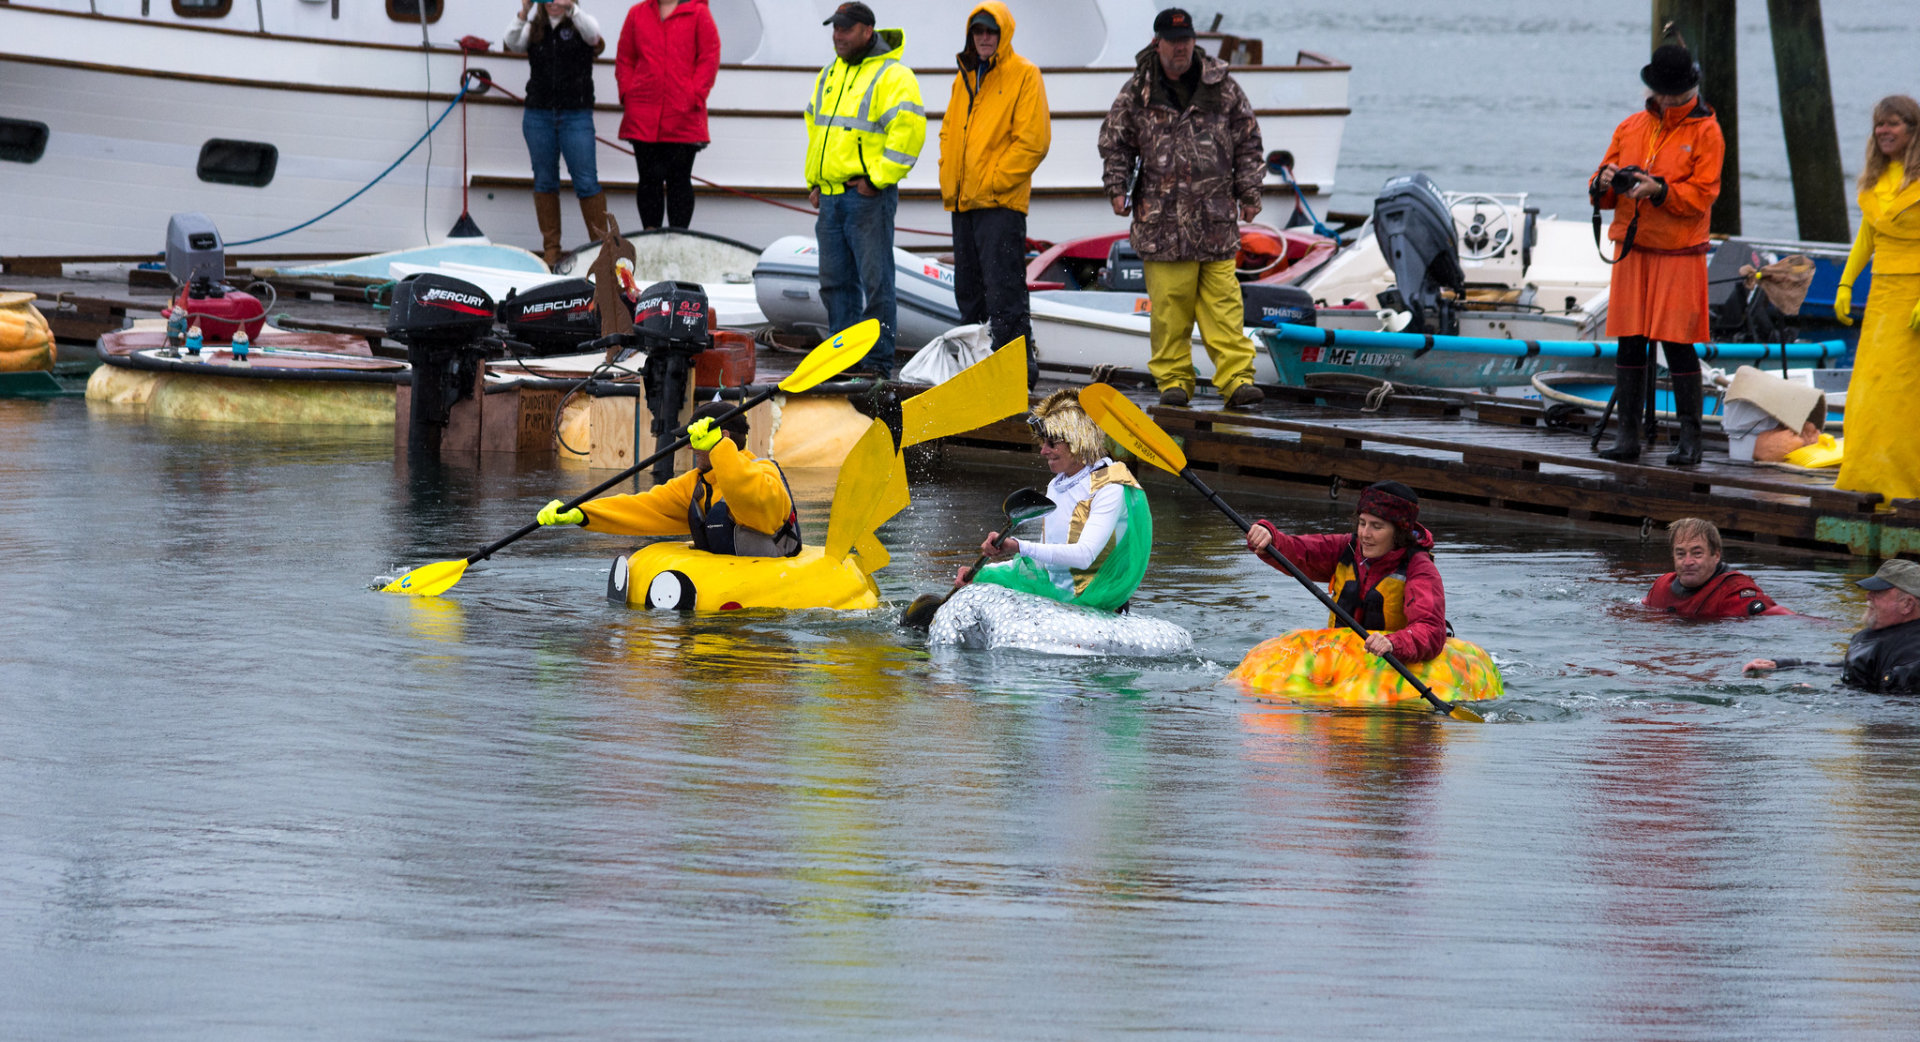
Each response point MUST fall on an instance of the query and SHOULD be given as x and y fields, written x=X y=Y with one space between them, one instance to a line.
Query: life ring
x=678 y=577
x=986 y=616
x=1333 y=667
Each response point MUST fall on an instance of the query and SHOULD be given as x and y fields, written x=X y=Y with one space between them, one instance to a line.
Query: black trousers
x=990 y=272
x=666 y=175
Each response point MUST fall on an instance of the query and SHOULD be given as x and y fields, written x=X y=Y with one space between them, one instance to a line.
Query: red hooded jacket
x=665 y=71
x=1424 y=598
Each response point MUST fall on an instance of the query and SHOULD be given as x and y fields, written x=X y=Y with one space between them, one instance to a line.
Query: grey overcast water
x=246 y=797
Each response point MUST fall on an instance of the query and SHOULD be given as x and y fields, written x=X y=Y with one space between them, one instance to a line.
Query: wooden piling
x=1806 y=116
x=1710 y=32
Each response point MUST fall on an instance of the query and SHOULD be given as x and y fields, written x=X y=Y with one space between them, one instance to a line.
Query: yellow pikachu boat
x=872 y=487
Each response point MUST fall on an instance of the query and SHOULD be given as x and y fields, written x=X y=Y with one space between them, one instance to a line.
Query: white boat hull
x=129 y=101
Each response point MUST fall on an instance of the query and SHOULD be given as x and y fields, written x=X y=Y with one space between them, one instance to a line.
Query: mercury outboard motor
x=1415 y=229
x=447 y=325
x=670 y=321
x=554 y=319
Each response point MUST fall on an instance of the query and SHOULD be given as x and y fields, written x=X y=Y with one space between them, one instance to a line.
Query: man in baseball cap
x=1885 y=656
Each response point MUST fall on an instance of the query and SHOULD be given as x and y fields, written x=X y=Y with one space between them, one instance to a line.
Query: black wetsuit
x=1885 y=660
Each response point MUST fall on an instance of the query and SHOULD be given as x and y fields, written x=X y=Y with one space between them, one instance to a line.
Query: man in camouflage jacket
x=1182 y=154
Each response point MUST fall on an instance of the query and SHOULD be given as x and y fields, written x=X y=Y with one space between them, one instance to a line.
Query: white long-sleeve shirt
x=1067 y=491
x=515 y=42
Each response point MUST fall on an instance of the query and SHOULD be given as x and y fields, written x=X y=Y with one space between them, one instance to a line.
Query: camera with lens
x=1623 y=180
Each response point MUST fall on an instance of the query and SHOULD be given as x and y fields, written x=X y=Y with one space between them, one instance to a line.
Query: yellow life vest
x=1384 y=608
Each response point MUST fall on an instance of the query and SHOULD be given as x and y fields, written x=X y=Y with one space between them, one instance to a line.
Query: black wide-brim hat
x=1672 y=70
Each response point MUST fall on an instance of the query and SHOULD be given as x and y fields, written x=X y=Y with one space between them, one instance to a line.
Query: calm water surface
x=249 y=798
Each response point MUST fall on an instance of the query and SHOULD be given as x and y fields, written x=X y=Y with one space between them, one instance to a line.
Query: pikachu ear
x=987 y=391
x=872 y=487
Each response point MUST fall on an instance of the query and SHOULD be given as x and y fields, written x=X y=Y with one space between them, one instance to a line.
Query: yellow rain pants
x=1182 y=291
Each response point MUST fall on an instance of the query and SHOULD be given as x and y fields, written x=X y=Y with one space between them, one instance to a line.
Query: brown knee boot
x=593 y=209
x=546 y=207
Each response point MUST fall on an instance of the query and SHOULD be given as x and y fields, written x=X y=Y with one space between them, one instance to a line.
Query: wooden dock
x=1501 y=454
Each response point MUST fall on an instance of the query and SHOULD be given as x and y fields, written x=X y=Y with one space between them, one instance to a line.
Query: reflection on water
x=254 y=796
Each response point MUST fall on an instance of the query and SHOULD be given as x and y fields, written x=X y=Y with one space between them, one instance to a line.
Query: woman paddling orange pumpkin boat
x=1384 y=576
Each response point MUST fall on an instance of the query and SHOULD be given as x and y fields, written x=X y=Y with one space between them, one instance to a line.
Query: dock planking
x=1501 y=453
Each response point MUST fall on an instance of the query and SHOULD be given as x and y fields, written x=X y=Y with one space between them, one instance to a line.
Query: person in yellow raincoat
x=1882 y=454
x=993 y=137
x=730 y=503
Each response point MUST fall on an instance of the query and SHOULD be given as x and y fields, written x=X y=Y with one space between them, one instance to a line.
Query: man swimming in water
x=1701 y=586
x=1885 y=656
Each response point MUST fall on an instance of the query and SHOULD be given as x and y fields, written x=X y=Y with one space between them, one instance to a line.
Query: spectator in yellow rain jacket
x=994 y=135
x=865 y=126
x=730 y=503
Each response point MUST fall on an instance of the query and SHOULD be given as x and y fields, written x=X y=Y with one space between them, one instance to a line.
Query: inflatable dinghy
x=786 y=283
x=1333 y=667
x=983 y=616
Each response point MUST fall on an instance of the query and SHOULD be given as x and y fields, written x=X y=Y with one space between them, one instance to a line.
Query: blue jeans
x=856 y=266
x=552 y=133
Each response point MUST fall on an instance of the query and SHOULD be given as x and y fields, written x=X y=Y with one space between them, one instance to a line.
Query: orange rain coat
x=997 y=127
x=1660 y=289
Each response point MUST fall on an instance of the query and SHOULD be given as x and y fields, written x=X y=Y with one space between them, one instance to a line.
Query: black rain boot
x=1629 y=405
x=1686 y=406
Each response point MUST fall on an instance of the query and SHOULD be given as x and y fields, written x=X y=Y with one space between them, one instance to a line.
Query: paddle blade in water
x=919 y=614
x=428 y=580
x=1460 y=712
x=833 y=356
x=1126 y=424
x=991 y=389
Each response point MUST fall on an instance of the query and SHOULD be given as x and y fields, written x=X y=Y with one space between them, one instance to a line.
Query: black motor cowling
x=1267 y=306
x=1414 y=227
x=554 y=319
x=1125 y=272
x=447 y=325
x=674 y=313
x=430 y=308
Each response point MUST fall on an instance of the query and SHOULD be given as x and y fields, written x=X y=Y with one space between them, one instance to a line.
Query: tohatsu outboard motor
x=1414 y=227
x=554 y=319
x=447 y=325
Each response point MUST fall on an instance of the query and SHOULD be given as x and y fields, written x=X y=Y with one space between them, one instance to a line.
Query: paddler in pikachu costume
x=1096 y=543
x=730 y=503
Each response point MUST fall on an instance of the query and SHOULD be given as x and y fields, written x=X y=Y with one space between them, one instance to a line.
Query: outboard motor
x=446 y=324
x=1268 y=306
x=1125 y=272
x=554 y=319
x=670 y=322
x=197 y=261
x=1415 y=229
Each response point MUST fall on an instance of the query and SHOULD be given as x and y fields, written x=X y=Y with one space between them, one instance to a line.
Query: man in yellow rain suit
x=730 y=503
x=865 y=126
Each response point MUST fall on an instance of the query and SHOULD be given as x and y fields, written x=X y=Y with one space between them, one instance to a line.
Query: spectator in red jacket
x=668 y=57
x=1701 y=586
x=1382 y=573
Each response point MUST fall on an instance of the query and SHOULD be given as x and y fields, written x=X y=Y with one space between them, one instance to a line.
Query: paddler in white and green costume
x=1096 y=542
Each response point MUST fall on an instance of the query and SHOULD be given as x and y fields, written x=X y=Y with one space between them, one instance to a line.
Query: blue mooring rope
x=1286 y=174
x=451 y=105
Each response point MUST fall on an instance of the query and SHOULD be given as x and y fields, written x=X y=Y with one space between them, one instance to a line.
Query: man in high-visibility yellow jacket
x=865 y=126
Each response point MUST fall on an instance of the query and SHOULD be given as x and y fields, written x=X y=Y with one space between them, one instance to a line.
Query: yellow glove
x=703 y=435
x=1843 y=305
x=551 y=515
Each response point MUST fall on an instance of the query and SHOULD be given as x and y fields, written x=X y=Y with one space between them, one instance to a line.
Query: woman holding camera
x=559 y=41
x=1882 y=455
x=1660 y=178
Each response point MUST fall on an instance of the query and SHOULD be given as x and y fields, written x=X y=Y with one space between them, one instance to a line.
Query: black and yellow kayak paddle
x=1023 y=505
x=825 y=362
x=1126 y=424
